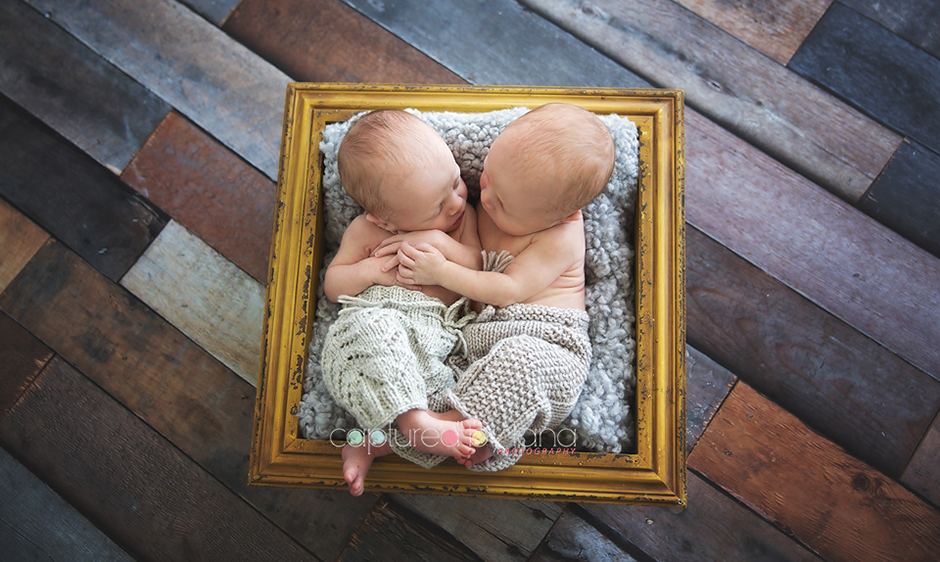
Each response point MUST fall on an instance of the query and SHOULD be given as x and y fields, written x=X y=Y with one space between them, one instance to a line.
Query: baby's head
x=400 y=170
x=545 y=166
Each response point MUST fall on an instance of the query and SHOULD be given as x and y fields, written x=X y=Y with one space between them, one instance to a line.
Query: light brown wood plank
x=209 y=190
x=204 y=296
x=835 y=504
x=493 y=529
x=20 y=239
x=923 y=471
x=143 y=492
x=775 y=28
x=202 y=72
x=573 y=538
x=734 y=85
x=171 y=383
x=327 y=41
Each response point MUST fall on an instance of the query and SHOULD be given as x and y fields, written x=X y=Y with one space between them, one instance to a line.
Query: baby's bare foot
x=357 y=459
x=448 y=434
x=479 y=456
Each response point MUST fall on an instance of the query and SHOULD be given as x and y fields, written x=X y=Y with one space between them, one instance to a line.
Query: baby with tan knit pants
x=383 y=358
x=529 y=350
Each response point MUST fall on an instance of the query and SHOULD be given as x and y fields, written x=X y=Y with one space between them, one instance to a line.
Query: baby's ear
x=376 y=221
x=572 y=217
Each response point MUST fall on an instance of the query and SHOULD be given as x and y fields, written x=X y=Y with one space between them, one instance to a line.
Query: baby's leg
x=357 y=459
x=440 y=434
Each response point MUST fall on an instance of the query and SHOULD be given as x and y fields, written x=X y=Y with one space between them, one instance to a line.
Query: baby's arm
x=354 y=269
x=465 y=251
x=545 y=259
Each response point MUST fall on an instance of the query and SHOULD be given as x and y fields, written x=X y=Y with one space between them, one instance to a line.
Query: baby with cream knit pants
x=383 y=358
x=529 y=349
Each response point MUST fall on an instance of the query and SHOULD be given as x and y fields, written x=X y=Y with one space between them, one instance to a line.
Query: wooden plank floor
x=138 y=155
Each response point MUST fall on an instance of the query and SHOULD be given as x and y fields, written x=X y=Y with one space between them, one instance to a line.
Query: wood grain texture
x=832 y=502
x=707 y=385
x=22 y=357
x=209 y=190
x=141 y=491
x=203 y=295
x=327 y=41
x=71 y=196
x=853 y=390
x=206 y=75
x=494 y=529
x=906 y=196
x=923 y=471
x=67 y=85
x=20 y=238
x=43 y=520
x=845 y=262
x=876 y=71
x=712 y=527
x=572 y=538
x=497 y=42
x=774 y=28
x=917 y=21
x=735 y=86
x=169 y=382
x=216 y=11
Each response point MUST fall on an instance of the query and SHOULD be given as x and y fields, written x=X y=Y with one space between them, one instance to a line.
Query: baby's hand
x=420 y=264
x=392 y=244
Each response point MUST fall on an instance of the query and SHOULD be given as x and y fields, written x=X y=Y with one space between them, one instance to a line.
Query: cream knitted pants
x=527 y=364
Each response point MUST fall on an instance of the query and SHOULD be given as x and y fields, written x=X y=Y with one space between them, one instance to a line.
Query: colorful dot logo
x=377 y=438
x=355 y=437
x=478 y=438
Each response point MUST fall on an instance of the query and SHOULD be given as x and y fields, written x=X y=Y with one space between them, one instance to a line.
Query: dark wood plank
x=775 y=28
x=574 y=539
x=47 y=523
x=917 y=21
x=71 y=196
x=138 y=488
x=20 y=238
x=72 y=89
x=327 y=41
x=875 y=70
x=906 y=196
x=168 y=381
x=707 y=385
x=497 y=42
x=206 y=75
x=845 y=385
x=835 y=504
x=712 y=527
x=22 y=357
x=923 y=472
x=208 y=189
x=392 y=533
x=736 y=86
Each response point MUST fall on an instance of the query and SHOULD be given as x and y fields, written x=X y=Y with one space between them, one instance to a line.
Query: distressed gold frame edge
x=656 y=474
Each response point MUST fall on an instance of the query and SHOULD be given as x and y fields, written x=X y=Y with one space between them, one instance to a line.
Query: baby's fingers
x=388 y=249
x=391 y=264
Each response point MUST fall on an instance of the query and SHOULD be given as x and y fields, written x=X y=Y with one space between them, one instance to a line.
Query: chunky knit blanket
x=603 y=418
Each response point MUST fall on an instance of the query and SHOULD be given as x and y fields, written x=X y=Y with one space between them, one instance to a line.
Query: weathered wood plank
x=22 y=357
x=391 y=533
x=202 y=72
x=493 y=529
x=824 y=249
x=327 y=41
x=707 y=385
x=775 y=28
x=835 y=504
x=905 y=196
x=208 y=189
x=917 y=21
x=497 y=42
x=712 y=527
x=216 y=11
x=204 y=296
x=923 y=471
x=168 y=381
x=73 y=90
x=141 y=491
x=71 y=196
x=574 y=539
x=845 y=385
x=753 y=96
x=20 y=238
x=875 y=70
x=47 y=522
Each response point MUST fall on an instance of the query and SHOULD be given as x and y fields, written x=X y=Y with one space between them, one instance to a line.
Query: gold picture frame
x=653 y=474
